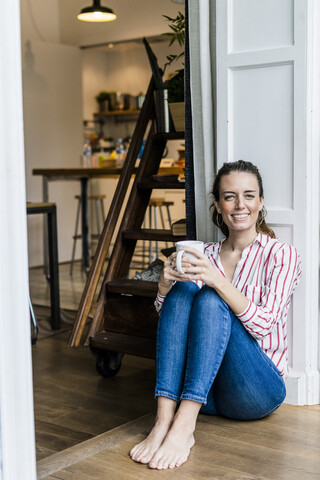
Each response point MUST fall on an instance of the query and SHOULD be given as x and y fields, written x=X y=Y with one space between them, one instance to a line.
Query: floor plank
x=215 y=456
x=266 y=434
x=73 y=402
x=91 y=447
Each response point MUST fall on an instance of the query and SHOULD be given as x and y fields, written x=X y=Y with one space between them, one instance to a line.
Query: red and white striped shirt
x=267 y=274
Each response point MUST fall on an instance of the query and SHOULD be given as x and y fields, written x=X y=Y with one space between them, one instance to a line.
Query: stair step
x=159 y=235
x=158 y=182
x=168 y=136
x=133 y=287
x=120 y=342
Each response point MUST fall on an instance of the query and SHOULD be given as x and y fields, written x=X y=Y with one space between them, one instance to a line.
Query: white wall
x=53 y=134
x=40 y=20
x=52 y=103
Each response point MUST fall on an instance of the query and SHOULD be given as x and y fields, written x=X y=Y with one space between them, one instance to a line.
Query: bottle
x=120 y=152
x=87 y=155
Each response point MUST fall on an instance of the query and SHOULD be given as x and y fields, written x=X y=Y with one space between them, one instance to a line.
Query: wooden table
x=83 y=175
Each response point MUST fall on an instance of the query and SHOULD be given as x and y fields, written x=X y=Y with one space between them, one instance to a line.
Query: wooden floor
x=86 y=425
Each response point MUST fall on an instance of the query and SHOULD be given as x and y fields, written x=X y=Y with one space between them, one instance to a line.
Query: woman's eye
x=249 y=195
x=229 y=197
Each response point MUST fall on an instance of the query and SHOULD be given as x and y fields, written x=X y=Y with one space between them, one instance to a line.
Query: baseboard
x=303 y=388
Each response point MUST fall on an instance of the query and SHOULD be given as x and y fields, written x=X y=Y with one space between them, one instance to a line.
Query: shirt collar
x=262 y=239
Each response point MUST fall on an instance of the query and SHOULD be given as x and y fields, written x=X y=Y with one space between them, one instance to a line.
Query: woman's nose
x=240 y=202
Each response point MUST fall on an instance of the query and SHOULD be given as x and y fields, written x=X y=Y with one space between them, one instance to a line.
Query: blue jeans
x=205 y=354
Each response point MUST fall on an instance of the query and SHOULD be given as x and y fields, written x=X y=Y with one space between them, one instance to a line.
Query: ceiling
x=136 y=18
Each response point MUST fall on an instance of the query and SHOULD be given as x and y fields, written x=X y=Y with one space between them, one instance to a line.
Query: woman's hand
x=170 y=274
x=199 y=268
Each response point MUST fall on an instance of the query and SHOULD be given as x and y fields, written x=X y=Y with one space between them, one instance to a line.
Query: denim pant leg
x=172 y=339
x=209 y=333
x=248 y=385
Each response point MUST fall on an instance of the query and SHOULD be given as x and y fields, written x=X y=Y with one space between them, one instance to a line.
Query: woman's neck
x=238 y=241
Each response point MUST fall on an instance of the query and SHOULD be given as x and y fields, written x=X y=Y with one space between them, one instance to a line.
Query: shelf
x=117 y=113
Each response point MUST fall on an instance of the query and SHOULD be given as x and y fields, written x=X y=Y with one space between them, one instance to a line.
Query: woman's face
x=239 y=202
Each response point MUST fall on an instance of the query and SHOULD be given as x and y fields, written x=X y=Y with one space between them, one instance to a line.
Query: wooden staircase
x=123 y=318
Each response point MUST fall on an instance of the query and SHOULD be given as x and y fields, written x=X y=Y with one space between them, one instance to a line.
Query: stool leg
x=103 y=220
x=54 y=269
x=150 y=243
x=93 y=235
x=156 y=226
x=162 y=221
x=97 y=216
x=34 y=322
x=169 y=216
x=75 y=236
x=102 y=210
x=144 y=246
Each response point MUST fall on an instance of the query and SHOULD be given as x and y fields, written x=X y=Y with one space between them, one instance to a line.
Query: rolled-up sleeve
x=281 y=277
x=158 y=302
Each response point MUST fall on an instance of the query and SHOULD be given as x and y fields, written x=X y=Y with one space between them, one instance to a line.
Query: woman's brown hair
x=246 y=167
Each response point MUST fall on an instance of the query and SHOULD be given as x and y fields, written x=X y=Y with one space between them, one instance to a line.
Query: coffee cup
x=197 y=244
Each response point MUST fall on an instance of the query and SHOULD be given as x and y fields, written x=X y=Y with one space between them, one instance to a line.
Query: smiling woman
x=222 y=323
x=251 y=193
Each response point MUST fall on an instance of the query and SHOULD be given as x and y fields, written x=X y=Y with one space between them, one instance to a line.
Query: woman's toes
x=165 y=464
x=132 y=452
x=160 y=465
x=145 y=458
x=181 y=460
x=154 y=462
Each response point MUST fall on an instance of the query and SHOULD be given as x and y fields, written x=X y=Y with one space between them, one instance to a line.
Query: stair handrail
x=110 y=223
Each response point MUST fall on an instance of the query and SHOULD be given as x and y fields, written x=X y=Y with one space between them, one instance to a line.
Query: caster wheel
x=108 y=363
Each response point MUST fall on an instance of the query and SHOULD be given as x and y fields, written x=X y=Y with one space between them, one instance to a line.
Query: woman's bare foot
x=144 y=451
x=175 y=449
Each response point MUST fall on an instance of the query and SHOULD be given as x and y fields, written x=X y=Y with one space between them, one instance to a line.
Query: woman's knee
x=208 y=297
x=183 y=289
x=180 y=297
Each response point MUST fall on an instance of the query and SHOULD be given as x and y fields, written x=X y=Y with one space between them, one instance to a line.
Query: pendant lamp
x=96 y=13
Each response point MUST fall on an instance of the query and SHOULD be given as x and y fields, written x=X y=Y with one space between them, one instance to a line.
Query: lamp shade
x=97 y=13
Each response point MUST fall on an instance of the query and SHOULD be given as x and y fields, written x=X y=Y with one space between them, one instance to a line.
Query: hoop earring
x=219 y=222
x=262 y=214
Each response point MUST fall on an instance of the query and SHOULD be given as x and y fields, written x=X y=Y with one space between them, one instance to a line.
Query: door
x=267 y=113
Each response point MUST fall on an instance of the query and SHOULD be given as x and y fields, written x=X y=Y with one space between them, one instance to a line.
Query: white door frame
x=17 y=444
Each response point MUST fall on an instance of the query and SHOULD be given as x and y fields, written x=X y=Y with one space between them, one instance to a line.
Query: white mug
x=198 y=245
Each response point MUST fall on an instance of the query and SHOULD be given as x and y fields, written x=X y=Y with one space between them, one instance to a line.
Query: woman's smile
x=240 y=216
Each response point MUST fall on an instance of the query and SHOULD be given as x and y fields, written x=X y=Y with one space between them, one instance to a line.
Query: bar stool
x=154 y=205
x=49 y=209
x=100 y=216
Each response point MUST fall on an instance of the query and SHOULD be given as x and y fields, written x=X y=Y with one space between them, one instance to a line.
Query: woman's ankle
x=187 y=414
x=166 y=410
